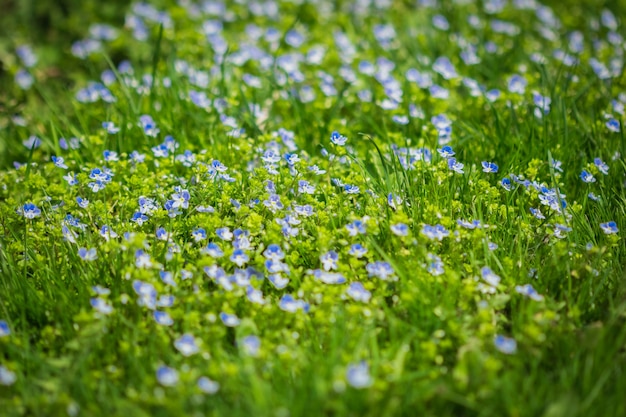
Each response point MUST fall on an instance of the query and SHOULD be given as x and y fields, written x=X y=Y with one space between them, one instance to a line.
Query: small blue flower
x=400 y=229
x=58 y=162
x=505 y=345
x=357 y=292
x=455 y=166
x=489 y=276
x=162 y=318
x=355 y=228
x=224 y=233
x=528 y=291
x=186 y=345
x=289 y=304
x=229 y=320
x=613 y=125
x=587 y=177
x=88 y=255
x=489 y=167
x=357 y=250
x=168 y=377
x=4 y=329
x=101 y=306
x=351 y=189
x=609 y=228
x=329 y=260
x=29 y=211
x=358 y=375
x=167 y=278
x=338 y=139
x=213 y=250
x=506 y=184
x=379 y=269
x=7 y=377
x=446 y=152
x=82 y=202
x=602 y=166
x=251 y=345
x=208 y=386
x=274 y=252
x=198 y=234
x=239 y=258
x=110 y=128
x=139 y=218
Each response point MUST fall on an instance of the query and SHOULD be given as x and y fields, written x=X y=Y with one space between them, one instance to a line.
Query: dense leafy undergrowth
x=293 y=208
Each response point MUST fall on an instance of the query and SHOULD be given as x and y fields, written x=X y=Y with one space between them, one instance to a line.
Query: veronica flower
x=435 y=232
x=33 y=142
x=609 y=228
x=239 y=258
x=274 y=252
x=101 y=306
x=168 y=377
x=88 y=255
x=400 y=229
x=357 y=250
x=379 y=269
x=329 y=260
x=82 y=202
x=602 y=167
x=338 y=139
x=229 y=320
x=198 y=234
x=351 y=189
x=505 y=345
x=613 y=125
x=489 y=167
x=587 y=177
x=29 y=211
x=7 y=377
x=162 y=318
x=4 y=329
x=528 y=291
x=167 y=278
x=561 y=230
x=207 y=385
x=357 y=292
x=358 y=375
x=517 y=84
x=58 y=162
x=139 y=218
x=186 y=345
x=446 y=152
x=455 y=166
x=289 y=304
x=142 y=259
x=251 y=345
x=181 y=199
x=355 y=228
x=110 y=128
x=489 y=276
x=278 y=281
x=224 y=233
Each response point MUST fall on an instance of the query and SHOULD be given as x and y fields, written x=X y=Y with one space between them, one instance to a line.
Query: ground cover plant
x=292 y=208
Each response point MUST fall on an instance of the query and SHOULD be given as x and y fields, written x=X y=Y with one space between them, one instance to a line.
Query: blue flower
x=489 y=167
x=358 y=375
x=435 y=232
x=291 y=305
x=528 y=291
x=506 y=184
x=82 y=202
x=455 y=166
x=167 y=278
x=357 y=292
x=88 y=255
x=379 y=269
x=224 y=233
x=251 y=345
x=329 y=260
x=613 y=125
x=602 y=166
x=7 y=377
x=198 y=234
x=162 y=318
x=609 y=228
x=58 y=162
x=505 y=345
x=207 y=385
x=110 y=128
x=229 y=320
x=213 y=250
x=517 y=84
x=400 y=229
x=101 y=305
x=139 y=218
x=357 y=250
x=29 y=211
x=239 y=258
x=274 y=252
x=446 y=152
x=587 y=177
x=4 y=329
x=351 y=189
x=186 y=345
x=338 y=139
x=168 y=377
x=142 y=259
x=355 y=228
x=489 y=276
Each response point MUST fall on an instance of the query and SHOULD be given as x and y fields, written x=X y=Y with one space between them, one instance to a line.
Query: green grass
x=427 y=332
